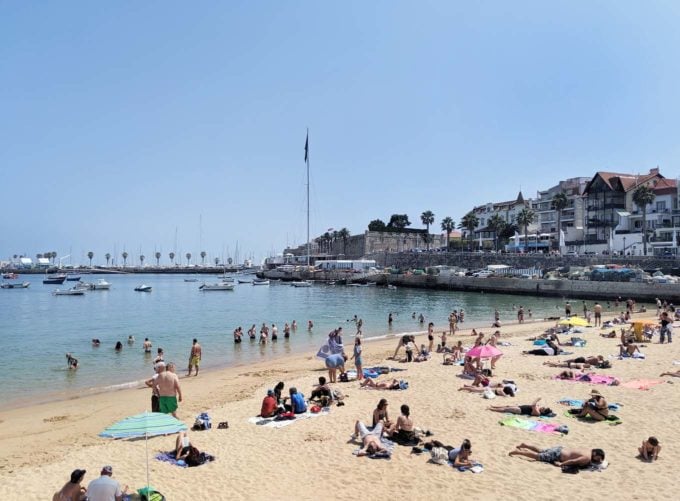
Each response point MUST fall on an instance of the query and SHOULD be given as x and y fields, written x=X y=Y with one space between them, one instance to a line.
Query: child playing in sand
x=649 y=451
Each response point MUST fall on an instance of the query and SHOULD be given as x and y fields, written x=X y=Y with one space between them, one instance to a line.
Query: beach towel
x=169 y=457
x=611 y=420
x=475 y=468
x=272 y=423
x=593 y=379
x=532 y=425
x=641 y=384
x=635 y=356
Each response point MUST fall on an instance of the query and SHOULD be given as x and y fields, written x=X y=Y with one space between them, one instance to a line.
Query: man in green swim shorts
x=169 y=391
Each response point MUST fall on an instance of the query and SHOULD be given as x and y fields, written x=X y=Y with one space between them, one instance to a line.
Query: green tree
x=203 y=254
x=217 y=261
x=158 y=258
x=398 y=221
x=141 y=260
x=53 y=255
x=125 y=256
x=377 y=225
x=172 y=258
x=497 y=224
x=344 y=235
x=448 y=225
x=469 y=222
x=108 y=258
x=559 y=203
x=427 y=219
x=90 y=255
x=642 y=197
x=188 y=256
x=524 y=219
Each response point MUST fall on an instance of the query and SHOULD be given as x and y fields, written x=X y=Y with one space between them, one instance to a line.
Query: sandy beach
x=313 y=458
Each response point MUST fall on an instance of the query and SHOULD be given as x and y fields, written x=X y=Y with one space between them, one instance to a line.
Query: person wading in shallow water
x=194 y=357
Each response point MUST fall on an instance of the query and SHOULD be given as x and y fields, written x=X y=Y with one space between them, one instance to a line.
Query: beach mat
x=642 y=384
x=575 y=402
x=169 y=457
x=273 y=423
x=532 y=425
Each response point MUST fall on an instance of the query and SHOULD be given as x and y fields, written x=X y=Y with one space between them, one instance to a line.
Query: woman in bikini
x=596 y=407
x=578 y=362
x=523 y=410
x=384 y=385
x=380 y=414
x=500 y=389
x=430 y=336
x=403 y=430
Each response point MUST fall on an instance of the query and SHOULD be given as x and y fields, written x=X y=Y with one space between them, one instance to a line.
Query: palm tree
x=203 y=254
x=470 y=221
x=497 y=224
x=141 y=260
x=108 y=258
x=525 y=218
x=448 y=226
x=327 y=240
x=217 y=261
x=158 y=258
x=188 y=256
x=172 y=257
x=427 y=218
x=53 y=255
x=125 y=256
x=90 y=255
x=642 y=197
x=344 y=235
x=559 y=202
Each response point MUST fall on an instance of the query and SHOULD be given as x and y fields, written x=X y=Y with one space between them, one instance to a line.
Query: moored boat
x=10 y=276
x=223 y=286
x=71 y=277
x=101 y=285
x=260 y=282
x=302 y=283
x=143 y=288
x=68 y=292
x=244 y=281
x=16 y=285
x=54 y=279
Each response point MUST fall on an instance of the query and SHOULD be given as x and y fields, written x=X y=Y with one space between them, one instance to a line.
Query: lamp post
x=624 y=246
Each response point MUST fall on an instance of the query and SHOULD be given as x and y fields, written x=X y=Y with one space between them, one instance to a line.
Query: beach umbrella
x=577 y=321
x=484 y=351
x=147 y=424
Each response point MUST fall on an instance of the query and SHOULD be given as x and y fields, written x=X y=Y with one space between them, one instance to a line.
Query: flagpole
x=307 y=162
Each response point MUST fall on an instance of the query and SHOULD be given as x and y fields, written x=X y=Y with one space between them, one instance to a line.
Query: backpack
x=343 y=377
x=202 y=422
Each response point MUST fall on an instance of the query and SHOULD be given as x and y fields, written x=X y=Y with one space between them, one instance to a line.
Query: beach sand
x=313 y=458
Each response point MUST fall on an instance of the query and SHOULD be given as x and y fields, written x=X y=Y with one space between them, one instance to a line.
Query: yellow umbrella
x=577 y=321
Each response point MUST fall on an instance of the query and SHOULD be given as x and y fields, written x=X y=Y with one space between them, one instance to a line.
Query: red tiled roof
x=624 y=182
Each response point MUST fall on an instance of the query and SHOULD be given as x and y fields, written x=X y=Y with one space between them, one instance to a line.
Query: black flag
x=307 y=146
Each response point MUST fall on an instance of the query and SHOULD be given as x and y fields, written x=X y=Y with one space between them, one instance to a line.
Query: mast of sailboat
x=307 y=162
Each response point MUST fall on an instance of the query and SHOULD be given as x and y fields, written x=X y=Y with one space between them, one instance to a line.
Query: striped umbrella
x=147 y=424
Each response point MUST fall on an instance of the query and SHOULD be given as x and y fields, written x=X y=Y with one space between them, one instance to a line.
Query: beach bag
x=150 y=494
x=605 y=364
x=202 y=422
x=489 y=394
x=439 y=455
x=344 y=378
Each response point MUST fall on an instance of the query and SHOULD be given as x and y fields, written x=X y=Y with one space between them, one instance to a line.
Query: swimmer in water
x=71 y=361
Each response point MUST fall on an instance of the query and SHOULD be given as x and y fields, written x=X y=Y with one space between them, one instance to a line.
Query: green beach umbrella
x=147 y=424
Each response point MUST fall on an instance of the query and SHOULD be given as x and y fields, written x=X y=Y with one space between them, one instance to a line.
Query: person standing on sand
x=567 y=309
x=585 y=310
x=520 y=315
x=597 y=309
x=356 y=356
x=151 y=383
x=194 y=357
x=169 y=391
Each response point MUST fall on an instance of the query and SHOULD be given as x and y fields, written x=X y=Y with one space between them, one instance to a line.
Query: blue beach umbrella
x=147 y=424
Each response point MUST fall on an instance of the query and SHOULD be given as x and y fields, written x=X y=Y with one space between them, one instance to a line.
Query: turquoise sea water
x=37 y=328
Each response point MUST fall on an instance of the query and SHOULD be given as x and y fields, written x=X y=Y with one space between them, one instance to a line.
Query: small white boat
x=8 y=285
x=303 y=283
x=391 y=287
x=69 y=292
x=101 y=285
x=143 y=288
x=83 y=286
x=217 y=287
x=244 y=281
x=260 y=282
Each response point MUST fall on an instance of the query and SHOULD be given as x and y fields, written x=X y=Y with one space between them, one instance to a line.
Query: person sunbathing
x=383 y=385
x=672 y=374
x=627 y=350
x=458 y=456
x=566 y=375
x=370 y=439
x=523 y=410
x=649 y=450
x=560 y=456
x=596 y=407
x=611 y=334
x=578 y=362
x=548 y=349
x=182 y=445
x=499 y=389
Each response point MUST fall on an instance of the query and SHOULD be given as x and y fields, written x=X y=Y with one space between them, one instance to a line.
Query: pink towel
x=641 y=384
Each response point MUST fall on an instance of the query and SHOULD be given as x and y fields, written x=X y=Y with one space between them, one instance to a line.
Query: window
x=661 y=206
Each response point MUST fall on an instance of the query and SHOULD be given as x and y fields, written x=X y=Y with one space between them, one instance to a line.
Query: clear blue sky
x=122 y=121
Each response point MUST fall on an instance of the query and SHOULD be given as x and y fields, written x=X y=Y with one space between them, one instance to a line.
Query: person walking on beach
x=194 y=357
x=520 y=315
x=597 y=309
x=169 y=390
x=567 y=309
x=666 y=328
